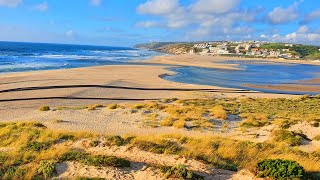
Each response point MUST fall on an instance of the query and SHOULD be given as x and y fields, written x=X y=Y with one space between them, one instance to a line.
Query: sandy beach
x=216 y=61
x=25 y=92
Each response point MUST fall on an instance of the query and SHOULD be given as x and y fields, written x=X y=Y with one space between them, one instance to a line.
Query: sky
x=128 y=22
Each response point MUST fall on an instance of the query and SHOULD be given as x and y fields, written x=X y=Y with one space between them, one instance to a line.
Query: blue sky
x=127 y=22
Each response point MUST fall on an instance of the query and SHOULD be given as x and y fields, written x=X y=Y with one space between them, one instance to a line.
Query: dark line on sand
x=120 y=87
x=77 y=98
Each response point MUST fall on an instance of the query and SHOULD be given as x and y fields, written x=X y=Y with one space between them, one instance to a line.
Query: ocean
x=22 y=57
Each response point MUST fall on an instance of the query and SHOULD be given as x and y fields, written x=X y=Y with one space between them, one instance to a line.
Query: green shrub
x=94 y=143
x=44 y=108
x=118 y=141
x=103 y=161
x=164 y=147
x=179 y=172
x=38 y=146
x=98 y=160
x=47 y=168
x=280 y=169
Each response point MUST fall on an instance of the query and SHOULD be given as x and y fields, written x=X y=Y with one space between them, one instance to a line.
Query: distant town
x=252 y=49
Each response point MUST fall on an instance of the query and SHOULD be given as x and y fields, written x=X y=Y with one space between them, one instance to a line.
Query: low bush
x=95 y=160
x=113 y=106
x=103 y=161
x=118 y=140
x=179 y=172
x=287 y=137
x=279 y=169
x=167 y=121
x=46 y=168
x=94 y=143
x=38 y=146
x=44 y=108
x=164 y=147
x=317 y=138
x=179 y=124
x=219 y=112
x=254 y=120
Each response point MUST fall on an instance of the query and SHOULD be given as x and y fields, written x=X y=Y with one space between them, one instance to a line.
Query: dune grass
x=34 y=149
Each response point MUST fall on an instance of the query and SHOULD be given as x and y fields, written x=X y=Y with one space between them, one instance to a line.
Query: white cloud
x=281 y=15
x=10 y=3
x=42 y=7
x=148 y=24
x=303 y=29
x=214 y=6
x=312 y=16
x=302 y=35
x=158 y=7
x=96 y=2
x=70 y=34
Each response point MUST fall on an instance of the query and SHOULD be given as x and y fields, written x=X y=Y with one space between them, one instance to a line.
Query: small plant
x=118 y=140
x=164 y=147
x=44 y=108
x=279 y=169
x=219 y=112
x=91 y=108
x=98 y=160
x=104 y=161
x=179 y=172
x=38 y=146
x=113 y=106
x=287 y=137
x=179 y=124
x=94 y=143
x=168 y=121
x=46 y=168
x=317 y=138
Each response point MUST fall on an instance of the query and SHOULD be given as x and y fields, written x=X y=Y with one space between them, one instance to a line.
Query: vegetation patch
x=219 y=112
x=287 y=137
x=46 y=168
x=95 y=160
x=280 y=169
x=44 y=108
x=179 y=172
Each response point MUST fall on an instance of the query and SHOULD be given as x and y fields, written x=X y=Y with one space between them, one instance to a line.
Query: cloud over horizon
x=164 y=20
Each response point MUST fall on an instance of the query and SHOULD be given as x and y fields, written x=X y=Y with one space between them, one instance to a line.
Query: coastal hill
x=250 y=49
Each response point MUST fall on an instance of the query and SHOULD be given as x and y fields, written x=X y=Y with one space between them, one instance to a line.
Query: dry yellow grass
x=219 y=112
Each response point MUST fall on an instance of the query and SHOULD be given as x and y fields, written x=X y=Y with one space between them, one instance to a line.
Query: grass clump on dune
x=179 y=124
x=113 y=106
x=44 y=108
x=254 y=120
x=317 y=138
x=179 y=172
x=288 y=137
x=168 y=121
x=46 y=168
x=95 y=160
x=219 y=112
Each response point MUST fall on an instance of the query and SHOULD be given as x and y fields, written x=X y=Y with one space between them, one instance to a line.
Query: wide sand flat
x=95 y=85
x=216 y=61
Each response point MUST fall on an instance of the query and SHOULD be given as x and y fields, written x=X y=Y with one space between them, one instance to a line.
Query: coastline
x=215 y=61
x=26 y=92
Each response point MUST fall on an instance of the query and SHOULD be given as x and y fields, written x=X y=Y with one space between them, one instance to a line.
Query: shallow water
x=250 y=73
